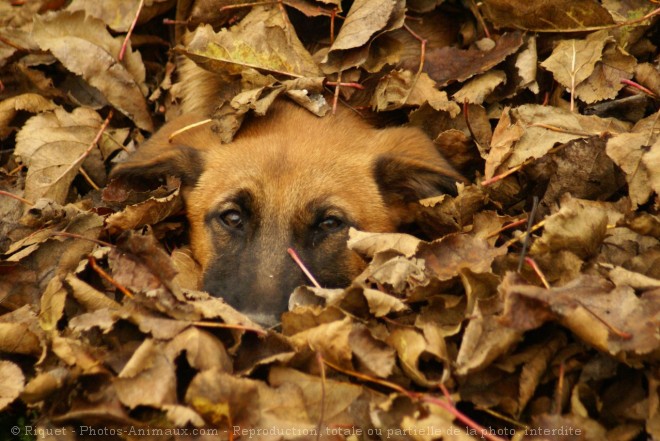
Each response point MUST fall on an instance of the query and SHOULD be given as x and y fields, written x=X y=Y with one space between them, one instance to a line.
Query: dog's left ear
x=409 y=167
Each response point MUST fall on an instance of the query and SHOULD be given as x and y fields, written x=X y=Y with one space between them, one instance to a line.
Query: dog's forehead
x=288 y=170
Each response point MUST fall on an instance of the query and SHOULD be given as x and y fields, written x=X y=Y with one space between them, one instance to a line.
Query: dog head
x=289 y=180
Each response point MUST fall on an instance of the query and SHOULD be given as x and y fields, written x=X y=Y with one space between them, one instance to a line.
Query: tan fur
x=289 y=162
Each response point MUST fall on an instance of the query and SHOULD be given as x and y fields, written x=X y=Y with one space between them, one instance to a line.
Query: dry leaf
x=546 y=16
x=12 y=383
x=67 y=35
x=50 y=145
x=261 y=41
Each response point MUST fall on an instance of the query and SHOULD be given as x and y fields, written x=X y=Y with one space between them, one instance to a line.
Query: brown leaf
x=149 y=212
x=404 y=88
x=638 y=155
x=449 y=64
x=260 y=41
x=647 y=75
x=485 y=339
x=118 y=14
x=507 y=133
x=414 y=354
x=52 y=304
x=68 y=35
x=76 y=353
x=477 y=89
x=446 y=214
x=369 y=244
x=90 y=298
x=398 y=274
x=581 y=168
x=372 y=355
x=544 y=127
x=331 y=339
x=606 y=80
x=365 y=19
x=248 y=404
x=148 y=369
x=44 y=384
x=610 y=319
x=327 y=398
x=447 y=257
x=29 y=102
x=578 y=227
x=203 y=350
x=546 y=16
x=50 y=145
x=12 y=382
x=573 y=61
x=20 y=333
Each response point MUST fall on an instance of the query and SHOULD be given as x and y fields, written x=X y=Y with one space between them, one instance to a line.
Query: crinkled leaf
x=67 y=35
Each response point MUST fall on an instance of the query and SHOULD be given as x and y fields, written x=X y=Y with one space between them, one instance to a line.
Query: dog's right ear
x=177 y=149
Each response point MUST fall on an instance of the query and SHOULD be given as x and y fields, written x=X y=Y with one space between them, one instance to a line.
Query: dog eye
x=232 y=219
x=330 y=224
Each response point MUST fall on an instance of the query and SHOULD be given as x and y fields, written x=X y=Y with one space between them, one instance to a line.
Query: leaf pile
x=515 y=320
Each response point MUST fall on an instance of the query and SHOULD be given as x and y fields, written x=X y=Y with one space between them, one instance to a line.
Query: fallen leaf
x=404 y=88
x=577 y=227
x=50 y=145
x=365 y=20
x=554 y=16
x=67 y=35
x=608 y=76
x=447 y=257
x=12 y=383
x=449 y=64
x=260 y=41
x=477 y=90
x=148 y=369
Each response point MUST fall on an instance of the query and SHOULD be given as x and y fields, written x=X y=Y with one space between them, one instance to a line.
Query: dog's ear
x=408 y=167
x=177 y=149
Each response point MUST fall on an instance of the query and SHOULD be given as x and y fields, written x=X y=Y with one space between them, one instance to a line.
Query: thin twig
x=562 y=130
x=480 y=18
x=513 y=224
x=622 y=334
x=496 y=178
x=522 y=236
x=353 y=85
x=101 y=272
x=130 y=31
x=18 y=198
x=422 y=57
x=302 y=266
x=335 y=98
x=205 y=324
x=639 y=87
x=186 y=128
x=247 y=5
x=86 y=153
x=529 y=261
x=88 y=178
x=573 y=60
x=81 y=237
x=530 y=223
x=332 y=26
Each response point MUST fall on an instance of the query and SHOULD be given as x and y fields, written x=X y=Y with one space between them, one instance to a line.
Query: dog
x=289 y=180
